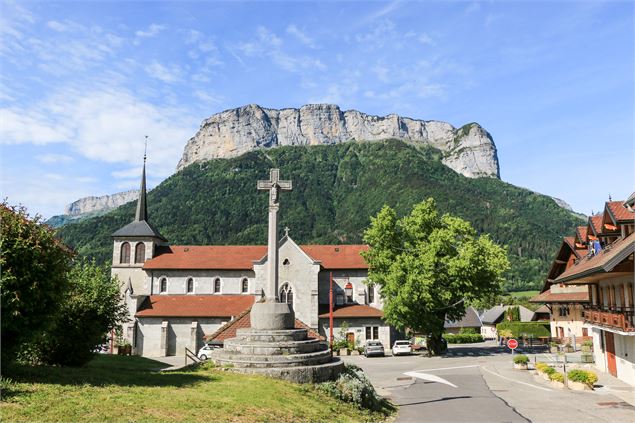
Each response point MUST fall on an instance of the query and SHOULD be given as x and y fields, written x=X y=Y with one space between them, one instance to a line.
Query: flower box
x=520 y=366
x=579 y=386
x=557 y=385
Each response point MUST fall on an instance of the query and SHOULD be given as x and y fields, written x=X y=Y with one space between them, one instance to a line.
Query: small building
x=495 y=315
x=470 y=320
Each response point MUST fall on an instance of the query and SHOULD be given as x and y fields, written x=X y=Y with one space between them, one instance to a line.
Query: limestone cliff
x=468 y=150
x=103 y=203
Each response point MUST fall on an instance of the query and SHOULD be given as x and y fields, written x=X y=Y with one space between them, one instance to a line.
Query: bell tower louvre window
x=125 y=253
x=140 y=253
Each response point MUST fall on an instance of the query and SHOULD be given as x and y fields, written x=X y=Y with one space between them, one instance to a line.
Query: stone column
x=194 y=337
x=164 y=339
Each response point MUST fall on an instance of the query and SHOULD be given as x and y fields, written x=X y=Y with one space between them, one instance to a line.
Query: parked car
x=205 y=352
x=402 y=347
x=373 y=348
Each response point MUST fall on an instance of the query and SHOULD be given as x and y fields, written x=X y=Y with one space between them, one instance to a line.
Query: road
x=487 y=389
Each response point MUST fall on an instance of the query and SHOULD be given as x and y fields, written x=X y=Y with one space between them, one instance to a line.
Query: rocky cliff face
x=103 y=203
x=468 y=150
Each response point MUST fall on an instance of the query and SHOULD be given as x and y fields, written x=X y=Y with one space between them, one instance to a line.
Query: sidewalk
x=539 y=402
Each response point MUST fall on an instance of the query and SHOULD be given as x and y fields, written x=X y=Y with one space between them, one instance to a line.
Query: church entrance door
x=350 y=338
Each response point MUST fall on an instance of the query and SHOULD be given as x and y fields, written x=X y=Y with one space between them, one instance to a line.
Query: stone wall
x=179 y=334
x=231 y=281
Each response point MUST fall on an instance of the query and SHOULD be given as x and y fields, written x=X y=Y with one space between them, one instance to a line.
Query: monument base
x=272 y=316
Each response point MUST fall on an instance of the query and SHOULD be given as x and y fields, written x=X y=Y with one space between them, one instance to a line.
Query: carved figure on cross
x=273 y=185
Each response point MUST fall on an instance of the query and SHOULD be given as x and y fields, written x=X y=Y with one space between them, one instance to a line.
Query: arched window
x=286 y=294
x=124 y=257
x=216 y=285
x=189 y=285
x=140 y=253
x=163 y=285
x=244 y=287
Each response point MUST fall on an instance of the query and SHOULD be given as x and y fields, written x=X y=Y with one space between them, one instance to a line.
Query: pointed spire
x=142 y=207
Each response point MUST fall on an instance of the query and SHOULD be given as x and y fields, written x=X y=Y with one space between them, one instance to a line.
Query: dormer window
x=217 y=286
x=189 y=285
x=140 y=253
x=124 y=257
x=163 y=285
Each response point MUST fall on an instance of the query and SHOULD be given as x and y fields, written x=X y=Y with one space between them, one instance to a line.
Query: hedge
x=518 y=329
x=583 y=376
x=463 y=338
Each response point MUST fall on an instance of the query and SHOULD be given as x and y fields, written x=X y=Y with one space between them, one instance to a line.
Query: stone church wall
x=340 y=278
x=231 y=281
x=179 y=331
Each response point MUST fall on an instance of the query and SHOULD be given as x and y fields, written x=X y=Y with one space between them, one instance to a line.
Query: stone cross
x=273 y=185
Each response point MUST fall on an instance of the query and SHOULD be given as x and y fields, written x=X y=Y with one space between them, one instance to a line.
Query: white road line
x=431 y=378
x=448 y=368
x=516 y=381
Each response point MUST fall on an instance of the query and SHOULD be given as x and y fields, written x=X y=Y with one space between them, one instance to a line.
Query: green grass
x=523 y=293
x=117 y=388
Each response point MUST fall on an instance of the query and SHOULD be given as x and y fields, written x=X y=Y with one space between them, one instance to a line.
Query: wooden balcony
x=620 y=318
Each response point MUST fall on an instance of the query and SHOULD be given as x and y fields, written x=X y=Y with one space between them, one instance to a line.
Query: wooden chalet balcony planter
x=621 y=319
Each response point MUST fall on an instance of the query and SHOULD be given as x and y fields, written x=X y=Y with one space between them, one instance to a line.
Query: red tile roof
x=561 y=297
x=352 y=311
x=582 y=233
x=243 y=321
x=619 y=212
x=195 y=305
x=596 y=223
x=241 y=257
x=603 y=262
x=338 y=256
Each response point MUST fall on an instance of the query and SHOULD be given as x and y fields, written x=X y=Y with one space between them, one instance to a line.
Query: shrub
x=556 y=376
x=521 y=359
x=540 y=366
x=582 y=376
x=464 y=331
x=518 y=329
x=463 y=338
x=549 y=370
x=353 y=386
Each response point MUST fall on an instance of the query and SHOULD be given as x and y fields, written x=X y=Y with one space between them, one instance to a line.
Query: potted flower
x=521 y=361
x=581 y=380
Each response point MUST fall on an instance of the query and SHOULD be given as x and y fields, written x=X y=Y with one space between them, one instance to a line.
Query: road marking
x=447 y=368
x=515 y=381
x=431 y=378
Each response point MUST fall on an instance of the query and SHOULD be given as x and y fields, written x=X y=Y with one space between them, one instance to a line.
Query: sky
x=82 y=84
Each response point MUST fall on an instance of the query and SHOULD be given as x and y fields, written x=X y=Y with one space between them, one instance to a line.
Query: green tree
x=33 y=269
x=429 y=266
x=513 y=314
x=90 y=308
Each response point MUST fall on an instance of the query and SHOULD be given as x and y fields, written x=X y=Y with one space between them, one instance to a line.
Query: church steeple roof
x=140 y=227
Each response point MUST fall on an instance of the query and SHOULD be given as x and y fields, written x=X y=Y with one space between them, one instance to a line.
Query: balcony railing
x=620 y=318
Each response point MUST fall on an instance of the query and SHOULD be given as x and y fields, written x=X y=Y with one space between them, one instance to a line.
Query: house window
x=339 y=299
x=189 y=285
x=163 y=285
x=563 y=311
x=244 y=285
x=286 y=294
x=371 y=294
x=140 y=253
x=216 y=285
x=125 y=253
x=372 y=332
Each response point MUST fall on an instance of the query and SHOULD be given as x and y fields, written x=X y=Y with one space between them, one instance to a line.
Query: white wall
x=358 y=326
x=179 y=334
x=231 y=281
x=625 y=358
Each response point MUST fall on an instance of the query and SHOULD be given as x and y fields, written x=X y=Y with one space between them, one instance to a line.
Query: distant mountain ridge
x=469 y=150
x=91 y=206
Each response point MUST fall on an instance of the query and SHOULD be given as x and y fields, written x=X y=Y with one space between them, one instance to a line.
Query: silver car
x=373 y=348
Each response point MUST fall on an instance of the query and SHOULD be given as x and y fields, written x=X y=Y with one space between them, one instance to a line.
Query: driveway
x=477 y=383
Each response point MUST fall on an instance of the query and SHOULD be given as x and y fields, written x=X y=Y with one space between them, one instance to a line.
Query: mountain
x=468 y=150
x=337 y=189
x=91 y=206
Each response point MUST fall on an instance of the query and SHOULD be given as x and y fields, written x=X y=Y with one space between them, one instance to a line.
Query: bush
x=582 y=376
x=464 y=331
x=463 y=338
x=549 y=371
x=556 y=376
x=521 y=359
x=540 y=366
x=518 y=329
x=353 y=386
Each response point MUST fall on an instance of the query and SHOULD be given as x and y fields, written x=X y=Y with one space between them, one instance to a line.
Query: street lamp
x=348 y=289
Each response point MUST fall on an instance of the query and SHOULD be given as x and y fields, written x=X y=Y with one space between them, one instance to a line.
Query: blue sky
x=81 y=83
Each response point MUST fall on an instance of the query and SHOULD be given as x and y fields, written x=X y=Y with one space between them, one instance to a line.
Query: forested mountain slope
x=335 y=191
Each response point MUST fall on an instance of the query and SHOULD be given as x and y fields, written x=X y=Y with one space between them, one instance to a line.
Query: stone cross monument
x=270 y=314
x=273 y=185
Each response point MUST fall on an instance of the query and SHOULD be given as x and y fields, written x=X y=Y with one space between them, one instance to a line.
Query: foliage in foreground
x=529 y=329
x=353 y=386
x=583 y=376
x=521 y=359
x=118 y=388
x=430 y=267
x=463 y=338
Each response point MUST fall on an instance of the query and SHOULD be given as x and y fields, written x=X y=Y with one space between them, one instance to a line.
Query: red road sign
x=512 y=344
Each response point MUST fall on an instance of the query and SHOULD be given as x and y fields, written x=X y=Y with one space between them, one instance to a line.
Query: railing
x=189 y=354
x=615 y=317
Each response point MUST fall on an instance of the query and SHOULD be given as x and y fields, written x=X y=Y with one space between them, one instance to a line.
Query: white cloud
x=132 y=172
x=301 y=36
x=54 y=158
x=208 y=98
x=152 y=31
x=201 y=41
x=18 y=126
x=425 y=39
x=169 y=74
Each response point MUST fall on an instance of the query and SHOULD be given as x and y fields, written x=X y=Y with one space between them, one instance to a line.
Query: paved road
x=487 y=390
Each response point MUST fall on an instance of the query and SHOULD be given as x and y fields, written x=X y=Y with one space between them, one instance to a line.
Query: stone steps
x=304 y=374
x=284 y=335
x=291 y=360
x=274 y=348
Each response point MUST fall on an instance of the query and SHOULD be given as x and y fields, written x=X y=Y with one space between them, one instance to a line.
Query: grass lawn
x=118 y=388
x=524 y=293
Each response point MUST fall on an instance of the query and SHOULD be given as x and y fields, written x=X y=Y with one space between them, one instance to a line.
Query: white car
x=205 y=352
x=402 y=347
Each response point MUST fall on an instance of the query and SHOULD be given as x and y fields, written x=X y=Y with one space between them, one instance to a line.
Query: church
x=183 y=296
